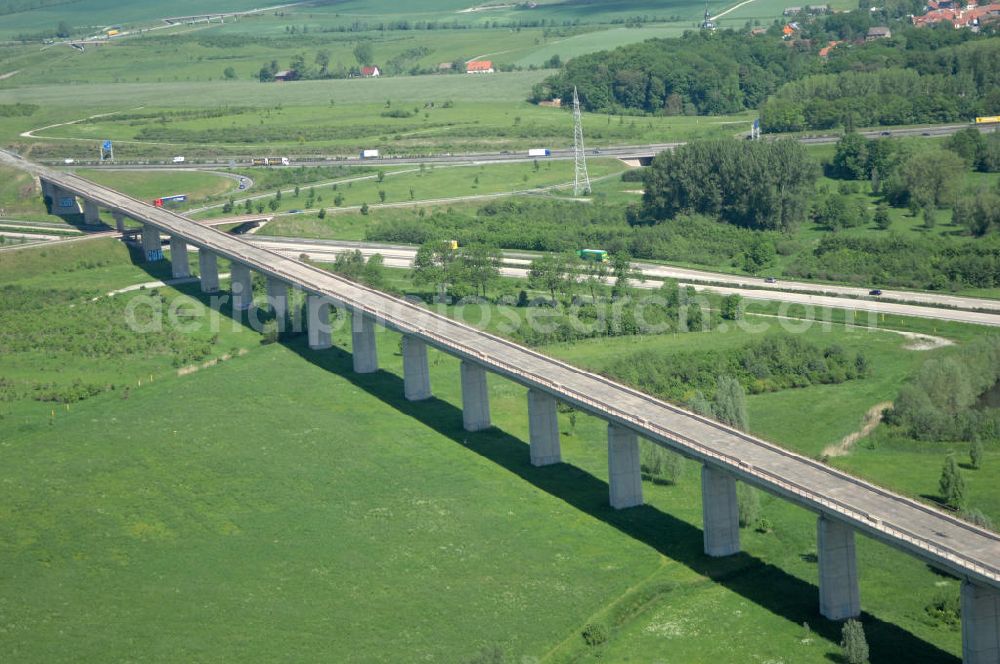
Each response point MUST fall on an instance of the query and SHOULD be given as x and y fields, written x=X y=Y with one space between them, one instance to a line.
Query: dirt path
x=871 y=420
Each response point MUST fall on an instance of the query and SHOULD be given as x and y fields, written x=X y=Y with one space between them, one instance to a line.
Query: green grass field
x=254 y=525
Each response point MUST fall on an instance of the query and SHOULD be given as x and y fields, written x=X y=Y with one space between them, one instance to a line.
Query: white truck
x=369 y=154
x=539 y=152
x=178 y=160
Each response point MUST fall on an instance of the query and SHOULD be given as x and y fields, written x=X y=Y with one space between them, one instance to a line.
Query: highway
x=625 y=152
x=932 y=535
x=904 y=303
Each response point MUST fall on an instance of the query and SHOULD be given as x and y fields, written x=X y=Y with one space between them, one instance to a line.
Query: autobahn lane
x=928 y=533
x=904 y=303
x=617 y=151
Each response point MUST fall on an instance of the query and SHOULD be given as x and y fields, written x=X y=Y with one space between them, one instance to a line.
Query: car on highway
x=886 y=133
x=295 y=211
x=69 y=161
x=178 y=160
x=875 y=291
x=770 y=280
x=925 y=133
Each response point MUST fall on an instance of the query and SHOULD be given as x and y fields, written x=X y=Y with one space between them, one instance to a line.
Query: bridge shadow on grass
x=760 y=582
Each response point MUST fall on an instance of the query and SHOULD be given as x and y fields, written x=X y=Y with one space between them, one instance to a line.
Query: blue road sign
x=107 y=145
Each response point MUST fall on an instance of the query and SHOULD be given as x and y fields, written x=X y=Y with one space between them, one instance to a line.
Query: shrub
x=854 y=643
x=594 y=634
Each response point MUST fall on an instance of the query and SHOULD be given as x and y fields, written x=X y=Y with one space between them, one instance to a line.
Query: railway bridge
x=844 y=505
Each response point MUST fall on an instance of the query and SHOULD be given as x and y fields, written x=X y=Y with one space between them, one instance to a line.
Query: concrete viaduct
x=844 y=504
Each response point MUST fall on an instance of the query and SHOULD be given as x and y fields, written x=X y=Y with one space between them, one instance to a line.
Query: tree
x=976 y=453
x=364 y=53
x=882 y=219
x=548 y=273
x=432 y=266
x=323 y=61
x=322 y=213
x=273 y=205
x=374 y=272
x=624 y=274
x=732 y=307
x=968 y=144
x=730 y=403
x=952 y=484
x=381 y=195
x=229 y=73
x=854 y=643
x=63 y=30
x=850 y=161
x=480 y=265
x=931 y=178
x=364 y=208
x=594 y=275
x=747 y=505
x=759 y=254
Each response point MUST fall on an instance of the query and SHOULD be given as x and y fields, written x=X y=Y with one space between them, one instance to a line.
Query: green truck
x=596 y=255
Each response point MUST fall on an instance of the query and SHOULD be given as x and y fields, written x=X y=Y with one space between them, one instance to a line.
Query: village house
x=370 y=72
x=479 y=67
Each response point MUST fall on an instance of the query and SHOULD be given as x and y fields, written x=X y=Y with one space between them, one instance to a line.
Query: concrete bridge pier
x=208 y=271
x=363 y=344
x=119 y=221
x=543 y=425
x=151 y=247
x=416 y=374
x=720 y=512
x=839 y=596
x=277 y=300
x=242 y=286
x=980 y=624
x=624 y=472
x=179 y=265
x=319 y=322
x=475 y=397
x=63 y=202
x=91 y=213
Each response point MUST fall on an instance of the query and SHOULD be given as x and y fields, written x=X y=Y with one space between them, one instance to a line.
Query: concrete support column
x=119 y=221
x=91 y=213
x=242 y=286
x=839 y=597
x=208 y=270
x=46 y=187
x=624 y=473
x=179 y=258
x=151 y=247
x=475 y=397
x=277 y=299
x=720 y=512
x=363 y=344
x=416 y=374
x=543 y=426
x=319 y=322
x=980 y=624
x=64 y=202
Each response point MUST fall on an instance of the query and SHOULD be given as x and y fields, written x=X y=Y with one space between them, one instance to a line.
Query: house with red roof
x=479 y=67
x=370 y=72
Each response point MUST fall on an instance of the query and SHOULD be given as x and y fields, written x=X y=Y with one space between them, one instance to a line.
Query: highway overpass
x=844 y=504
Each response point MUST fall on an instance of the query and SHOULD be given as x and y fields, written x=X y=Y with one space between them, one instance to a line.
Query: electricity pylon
x=581 y=181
